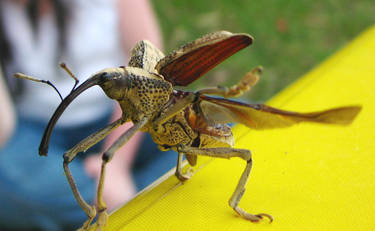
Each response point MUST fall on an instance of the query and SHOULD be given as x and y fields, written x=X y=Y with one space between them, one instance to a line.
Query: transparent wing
x=260 y=116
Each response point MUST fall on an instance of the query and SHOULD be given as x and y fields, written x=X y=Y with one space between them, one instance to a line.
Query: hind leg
x=240 y=188
x=181 y=176
x=245 y=85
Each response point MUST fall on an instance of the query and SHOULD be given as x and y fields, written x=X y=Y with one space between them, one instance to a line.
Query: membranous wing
x=194 y=59
x=260 y=116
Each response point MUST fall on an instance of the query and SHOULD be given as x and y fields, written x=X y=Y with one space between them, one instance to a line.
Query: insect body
x=191 y=123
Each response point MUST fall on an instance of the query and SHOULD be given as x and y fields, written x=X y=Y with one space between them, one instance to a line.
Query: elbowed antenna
x=95 y=80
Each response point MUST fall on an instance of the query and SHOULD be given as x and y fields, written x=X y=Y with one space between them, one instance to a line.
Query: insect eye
x=105 y=75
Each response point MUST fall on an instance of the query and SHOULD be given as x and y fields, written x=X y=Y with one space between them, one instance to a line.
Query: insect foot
x=252 y=217
x=102 y=220
x=184 y=176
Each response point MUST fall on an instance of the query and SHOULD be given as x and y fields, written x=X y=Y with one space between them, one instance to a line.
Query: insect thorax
x=183 y=129
x=146 y=93
x=145 y=55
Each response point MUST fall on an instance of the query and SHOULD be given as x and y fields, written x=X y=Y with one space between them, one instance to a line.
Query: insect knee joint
x=66 y=158
x=106 y=157
x=247 y=156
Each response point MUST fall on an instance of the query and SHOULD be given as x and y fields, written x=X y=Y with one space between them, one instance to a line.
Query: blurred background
x=291 y=36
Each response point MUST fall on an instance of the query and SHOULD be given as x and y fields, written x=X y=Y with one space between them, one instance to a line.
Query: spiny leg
x=240 y=188
x=248 y=81
x=107 y=156
x=71 y=154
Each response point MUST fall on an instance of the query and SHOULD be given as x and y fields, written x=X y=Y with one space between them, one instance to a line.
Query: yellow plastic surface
x=309 y=177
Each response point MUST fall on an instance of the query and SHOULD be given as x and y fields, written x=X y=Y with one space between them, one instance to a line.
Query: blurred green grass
x=291 y=36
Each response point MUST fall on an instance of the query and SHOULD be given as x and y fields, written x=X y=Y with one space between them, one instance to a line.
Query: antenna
x=70 y=73
x=28 y=77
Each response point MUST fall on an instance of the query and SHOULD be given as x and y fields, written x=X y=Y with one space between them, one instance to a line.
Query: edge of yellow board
x=309 y=177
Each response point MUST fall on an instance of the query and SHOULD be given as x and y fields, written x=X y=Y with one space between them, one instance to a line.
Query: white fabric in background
x=93 y=43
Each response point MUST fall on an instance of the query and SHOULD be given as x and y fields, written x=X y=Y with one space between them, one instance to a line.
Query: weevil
x=191 y=123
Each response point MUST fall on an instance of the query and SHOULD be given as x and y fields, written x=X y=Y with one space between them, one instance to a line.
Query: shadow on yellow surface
x=309 y=177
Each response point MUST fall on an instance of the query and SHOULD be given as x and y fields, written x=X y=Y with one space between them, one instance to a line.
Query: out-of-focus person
x=36 y=35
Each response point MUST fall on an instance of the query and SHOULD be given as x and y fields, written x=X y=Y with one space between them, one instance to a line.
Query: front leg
x=72 y=153
x=240 y=189
x=107 y=156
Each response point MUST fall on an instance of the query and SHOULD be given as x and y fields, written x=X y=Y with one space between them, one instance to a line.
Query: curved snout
x=94 y=80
